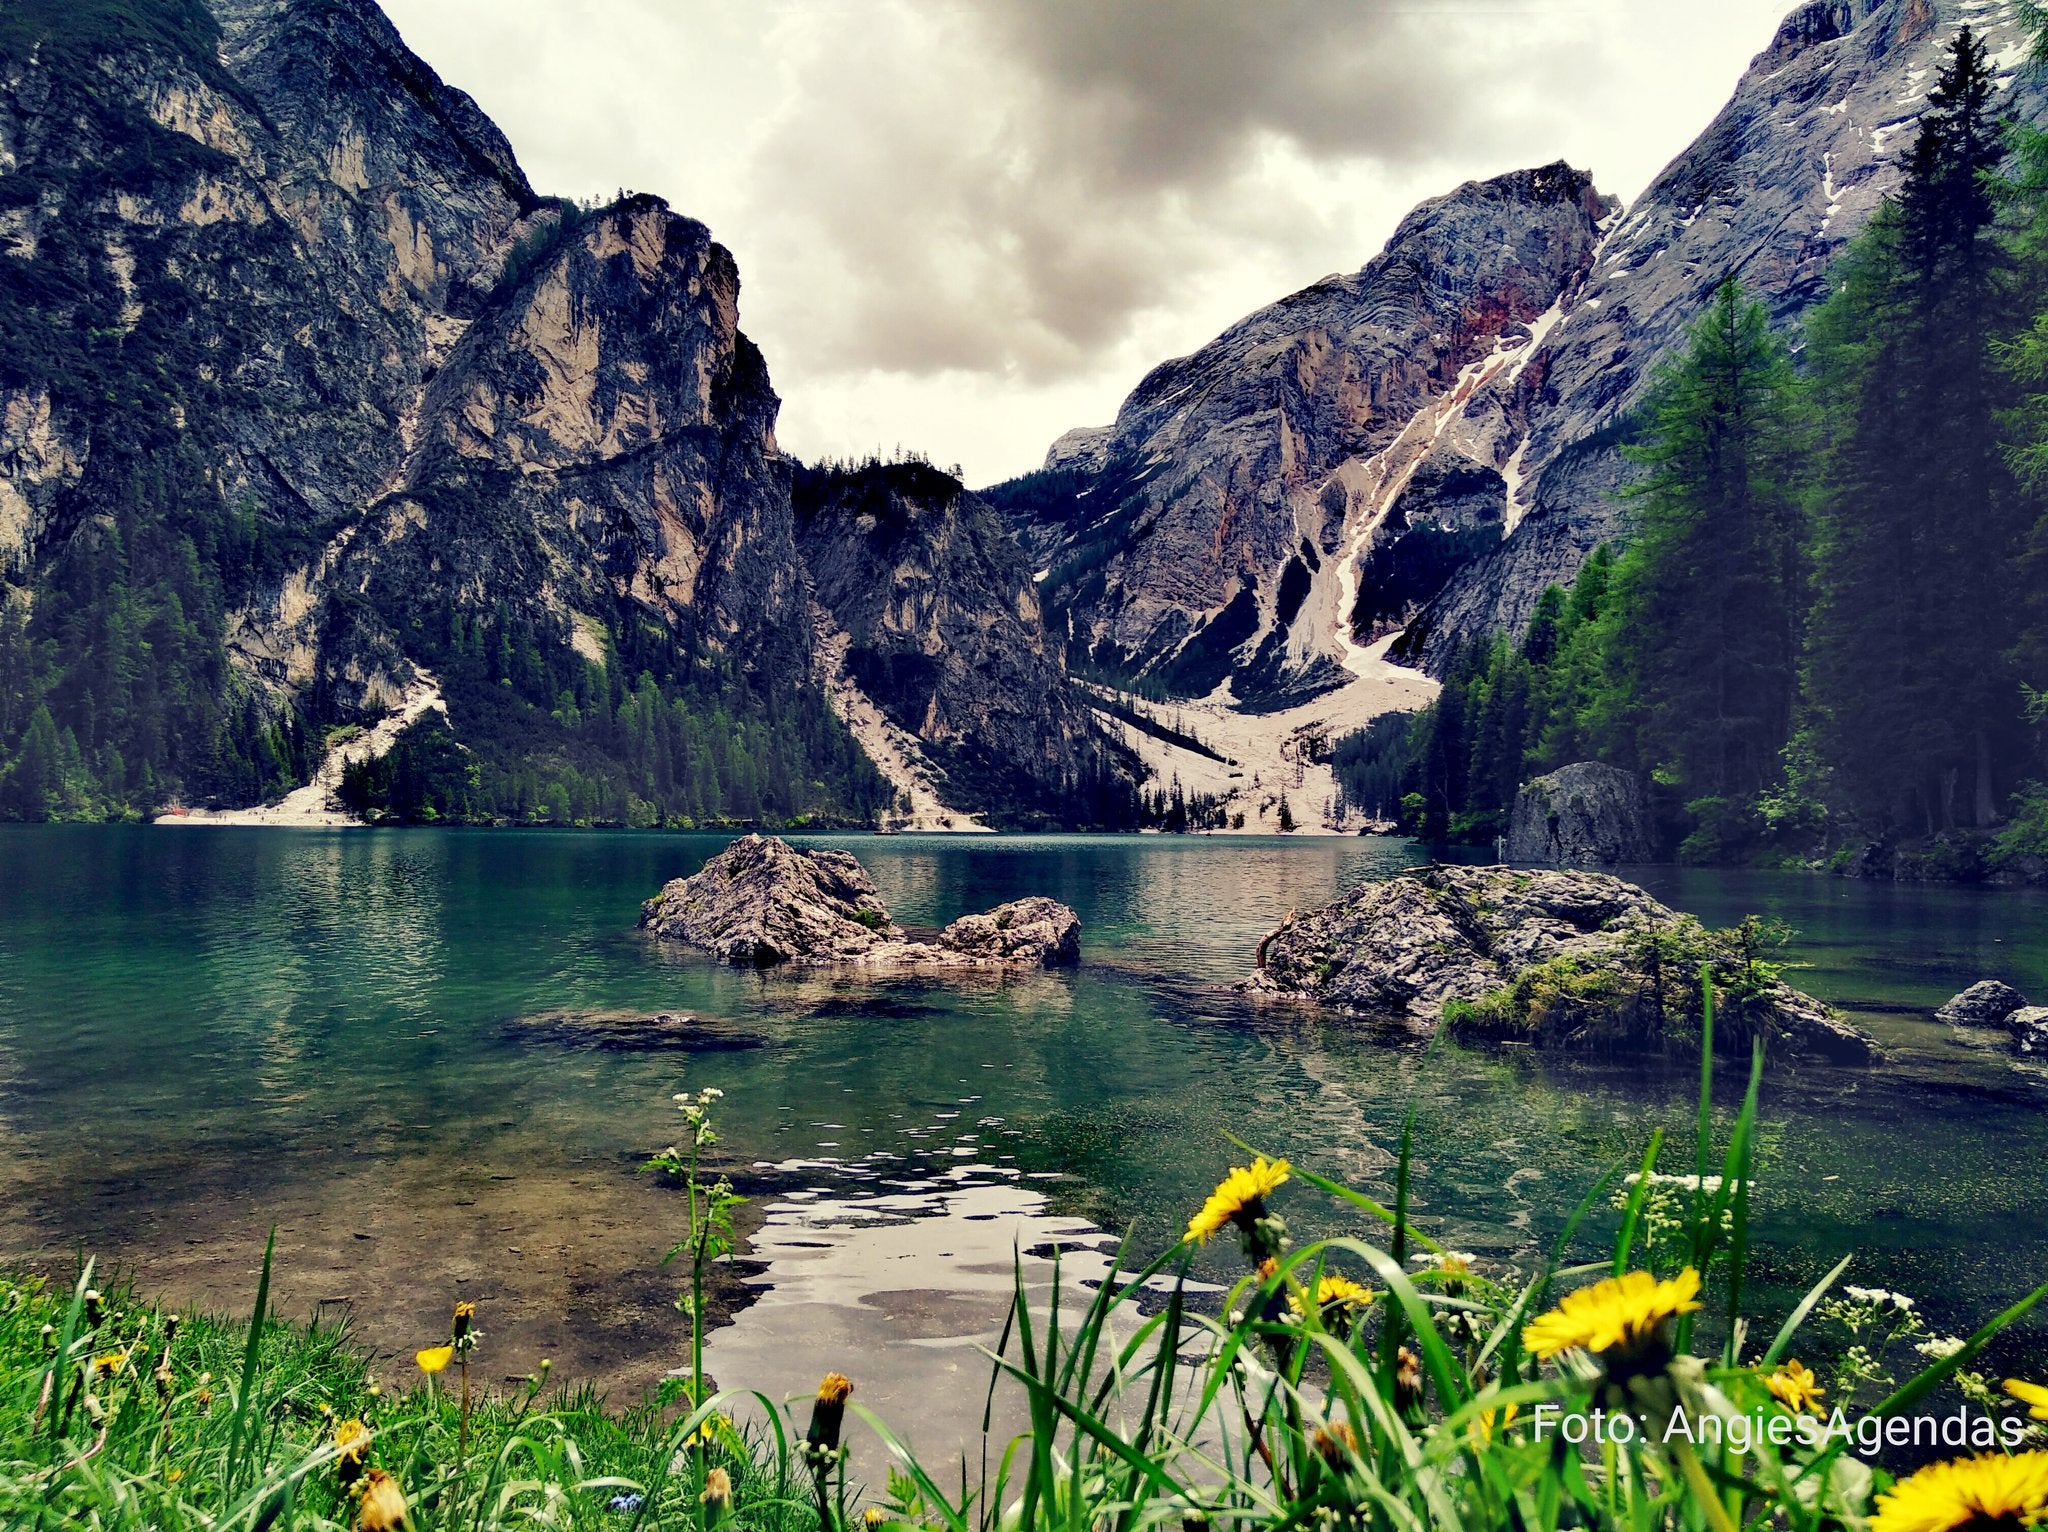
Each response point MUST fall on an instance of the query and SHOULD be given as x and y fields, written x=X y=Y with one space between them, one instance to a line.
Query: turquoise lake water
x=379 y=1041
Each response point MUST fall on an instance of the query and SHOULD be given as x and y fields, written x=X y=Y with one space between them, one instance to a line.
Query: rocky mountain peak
x=1223 y=506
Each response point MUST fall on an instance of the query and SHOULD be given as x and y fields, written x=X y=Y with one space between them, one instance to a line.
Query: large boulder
x=1986 y=1003
x=1550 y=958
x=2029 y=1028
x=1581 y=813
x=1037 y=930
x=762 y=903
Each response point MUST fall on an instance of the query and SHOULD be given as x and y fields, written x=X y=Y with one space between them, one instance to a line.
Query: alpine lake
x=422 y=1057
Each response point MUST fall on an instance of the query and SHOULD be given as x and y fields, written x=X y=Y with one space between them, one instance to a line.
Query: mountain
x=1210 y=532
x=925 y=605
x=312 y=408
x=1419 y=449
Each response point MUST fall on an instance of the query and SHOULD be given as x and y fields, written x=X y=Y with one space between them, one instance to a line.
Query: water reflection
x=407 y=1048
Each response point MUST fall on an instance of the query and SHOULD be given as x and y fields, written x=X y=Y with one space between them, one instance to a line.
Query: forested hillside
x=1825 y=628
x=310 y=405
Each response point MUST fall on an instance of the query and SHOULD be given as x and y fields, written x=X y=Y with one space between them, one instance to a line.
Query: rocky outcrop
x=2029 y=1028
x=1204 y=534
x=1783 y=177
x=1551 y=959
x=1984 y=1004
x=1035 y=930
x=1581 y=813
x=943 y=632
x=763 y=903
x=1431 y=442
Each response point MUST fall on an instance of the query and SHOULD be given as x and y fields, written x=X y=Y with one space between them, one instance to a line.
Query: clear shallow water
x=361 y=1037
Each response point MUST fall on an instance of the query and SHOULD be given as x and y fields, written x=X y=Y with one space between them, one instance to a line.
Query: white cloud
x=965 y=228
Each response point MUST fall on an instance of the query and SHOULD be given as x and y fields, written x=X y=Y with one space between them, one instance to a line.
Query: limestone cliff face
x=943 y=631
x=280 y=307
x=1785 y=175
x=1205 y=531
x=600 y=441
x=1427 y=445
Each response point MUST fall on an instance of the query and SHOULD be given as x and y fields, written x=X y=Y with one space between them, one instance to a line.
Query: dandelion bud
x=828 y=1411
x=383 y=1508
x=1407 y=1384
x=874 y=1518
x=1335 y=1443
x=49 y=1337
x=465 y=1313
x=162 y=1375
x=95 y=1306
x=171 y=1323
x=717 y=1496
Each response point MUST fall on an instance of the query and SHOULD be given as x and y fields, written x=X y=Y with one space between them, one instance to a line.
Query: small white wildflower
x=1939 y=1348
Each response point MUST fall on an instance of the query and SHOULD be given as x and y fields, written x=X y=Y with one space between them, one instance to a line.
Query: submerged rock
x=761 y=903
x=1554 y=959
x=1986 y=1003
x=1584 y=812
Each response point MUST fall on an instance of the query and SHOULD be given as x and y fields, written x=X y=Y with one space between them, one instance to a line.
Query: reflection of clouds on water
x=896 y=1268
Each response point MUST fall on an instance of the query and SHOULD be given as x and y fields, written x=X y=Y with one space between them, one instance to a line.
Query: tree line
x=1827 y=626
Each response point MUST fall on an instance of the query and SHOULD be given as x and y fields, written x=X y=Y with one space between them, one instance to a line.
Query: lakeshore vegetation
x=1375 y=1380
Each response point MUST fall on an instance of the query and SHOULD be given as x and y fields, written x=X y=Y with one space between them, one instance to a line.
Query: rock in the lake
x=1036 y=930
x=762 y=903
x=1584 y=812
x=1986 y=1003
x=2029 y=1028
x=1554 y=959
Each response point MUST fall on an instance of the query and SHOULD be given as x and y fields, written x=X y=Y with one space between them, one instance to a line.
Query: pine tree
x=1702 y=635
x=1916 y=707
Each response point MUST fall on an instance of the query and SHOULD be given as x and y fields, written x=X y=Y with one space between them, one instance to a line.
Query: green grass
x=1421 y=1407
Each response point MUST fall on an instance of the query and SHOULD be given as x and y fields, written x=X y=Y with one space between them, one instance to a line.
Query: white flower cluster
x=1939 y=1348
x=1711 y=1185
x=1879 y=1297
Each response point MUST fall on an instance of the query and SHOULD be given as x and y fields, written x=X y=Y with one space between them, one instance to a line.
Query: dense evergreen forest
x=1827 y=629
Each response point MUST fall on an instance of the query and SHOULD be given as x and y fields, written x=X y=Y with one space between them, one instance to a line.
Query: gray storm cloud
x=968 y=225
x=1006 y=187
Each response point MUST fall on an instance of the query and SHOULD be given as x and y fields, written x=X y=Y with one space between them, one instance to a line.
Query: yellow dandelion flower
x=434 y=1358
x=1239 y=1197
x=109 y=1363
x=1334 y=1292
x=1794 y=1386
x=2033 y=1395
x=874 y=1518
x=1967 y=1495
x=834 y=1387
x=1486 y=1422
x=383 y=1507
x=352 y=1445
x=1618 y=1314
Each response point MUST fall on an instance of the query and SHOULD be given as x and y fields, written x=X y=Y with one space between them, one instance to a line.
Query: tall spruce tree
x=1916 y=706
x=1702 y=636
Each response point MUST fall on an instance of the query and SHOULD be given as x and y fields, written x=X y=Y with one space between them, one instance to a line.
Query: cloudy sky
x=966 y=225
